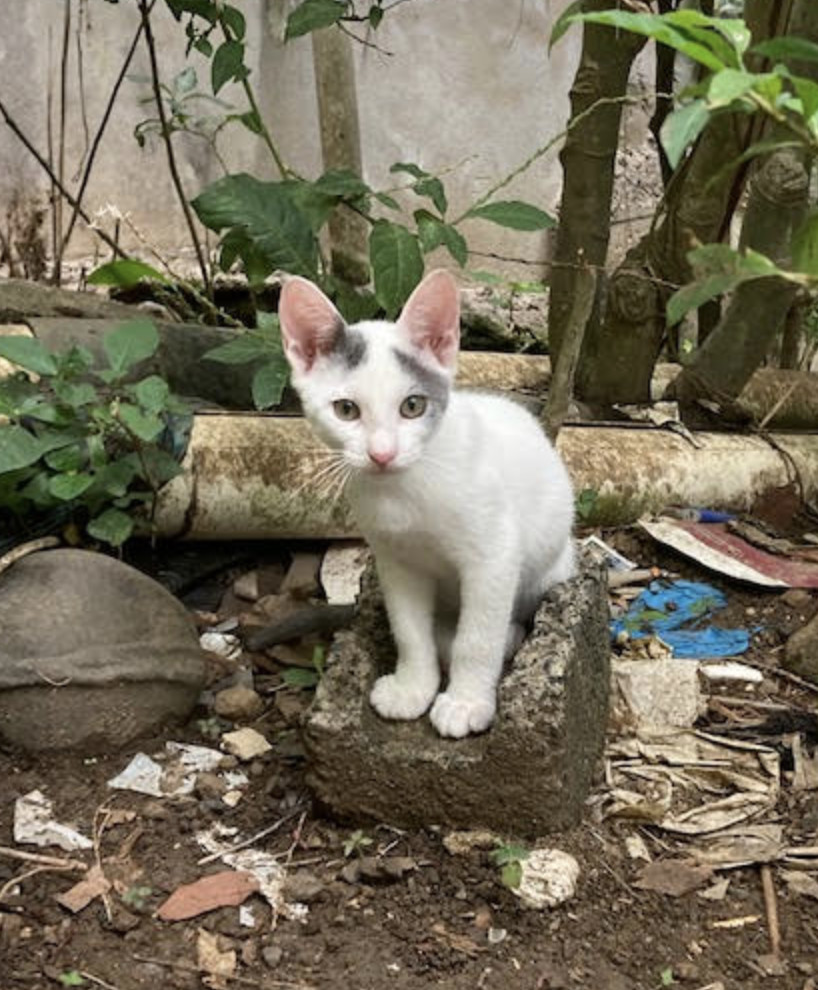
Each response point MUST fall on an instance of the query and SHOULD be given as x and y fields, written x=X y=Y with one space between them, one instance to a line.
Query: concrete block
x=528 y=775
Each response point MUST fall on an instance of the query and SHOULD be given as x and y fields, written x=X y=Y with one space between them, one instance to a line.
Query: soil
x=447 y=920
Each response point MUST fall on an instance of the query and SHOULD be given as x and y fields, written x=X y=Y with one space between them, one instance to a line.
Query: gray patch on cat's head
x=435 y=384
x=348 y=346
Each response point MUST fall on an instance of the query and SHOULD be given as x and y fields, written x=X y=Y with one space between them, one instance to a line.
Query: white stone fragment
x=549 y=877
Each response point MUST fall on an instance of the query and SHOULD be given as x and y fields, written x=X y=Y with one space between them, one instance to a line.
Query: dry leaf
x=674 y=877
x=230 y=887
x=218 y=964
x=92 y=885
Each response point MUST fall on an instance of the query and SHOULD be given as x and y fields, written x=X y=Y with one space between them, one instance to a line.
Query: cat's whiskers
x=335 y=462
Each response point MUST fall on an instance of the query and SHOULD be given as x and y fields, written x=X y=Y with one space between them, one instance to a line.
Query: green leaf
x=433 y=188
x=342 y=183
x=729 y=85
x=18 y=448
x=129 y=343
x=312 y=15
x=514 y=214
x=511 y=875
x=718 y=269
x=787 y=48
x=67 y=487
x=660 y=29
x=410 y=168
x=265 y=213
x=455 y=244
x=807 y=91
x=805 y=246
x=251 y=121
x=114 y=478
x=681 y=128
x=354 y=304
x=234 y=20
x=66 y=459
x=72 y=978
x=397 y=264
x=564 y=21
x=242 y=349
x=75 y=394
x=269 y=382
x=28 y=353
x=112 y=526
x=666 y=976
x=509 y=853
x=387 y=200
x=125 y=273
x=152 y=393
x=300 y=677
x=185 y=82
x=227 y=64
x=375 y=16
x=160 y=466
x=146 y=426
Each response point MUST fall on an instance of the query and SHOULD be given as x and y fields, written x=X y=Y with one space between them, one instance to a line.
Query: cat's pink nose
x=383 y=458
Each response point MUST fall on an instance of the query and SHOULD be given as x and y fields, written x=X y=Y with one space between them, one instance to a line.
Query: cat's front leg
x=410 y=597
x=469 y=702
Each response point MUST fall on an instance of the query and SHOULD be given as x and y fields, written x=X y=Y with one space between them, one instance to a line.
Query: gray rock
x=94 y=653
x=801 y=652
x=528 y=775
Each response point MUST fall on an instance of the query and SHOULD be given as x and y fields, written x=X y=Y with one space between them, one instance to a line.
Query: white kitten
x=465 y=503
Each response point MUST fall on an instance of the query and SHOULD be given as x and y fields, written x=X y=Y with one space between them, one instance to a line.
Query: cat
x=465 y=504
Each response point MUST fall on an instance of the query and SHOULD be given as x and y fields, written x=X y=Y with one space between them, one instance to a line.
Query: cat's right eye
x=346 y=409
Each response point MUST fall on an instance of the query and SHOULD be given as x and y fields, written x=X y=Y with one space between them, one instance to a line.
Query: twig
x=56 y=275
x=14 y=126
x=99 y=982
x=296 y=839
x=562 y=378
x=243 y=980
x=249 y=842
x=777 y=405
x=55 y=861
x=86 y=175
x=11 y=884
x=144 y=10
x=783 y=674
x=23 y=549
x=771 y=908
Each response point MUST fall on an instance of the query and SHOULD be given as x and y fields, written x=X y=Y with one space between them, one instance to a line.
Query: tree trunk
x=778 y=198
x=341 y=146
x=587 y=159
x=722 y=366
x=619 y=354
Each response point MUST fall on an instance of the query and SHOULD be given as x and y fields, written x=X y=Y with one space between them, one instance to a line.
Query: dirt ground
x=441 y=920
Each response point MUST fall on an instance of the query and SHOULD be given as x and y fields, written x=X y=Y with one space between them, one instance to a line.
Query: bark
x=723 y=365
x=587 y=161
x=620 y=352
x=341 y=146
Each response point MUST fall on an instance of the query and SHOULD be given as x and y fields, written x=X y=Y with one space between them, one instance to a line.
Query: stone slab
x=528 y=775
x=93 y=653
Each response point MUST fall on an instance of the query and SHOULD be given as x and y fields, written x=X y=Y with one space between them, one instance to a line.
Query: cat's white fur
x=468 y=508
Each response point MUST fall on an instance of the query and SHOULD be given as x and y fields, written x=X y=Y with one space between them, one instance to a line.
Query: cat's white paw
x=456 y=717
x=396 y=698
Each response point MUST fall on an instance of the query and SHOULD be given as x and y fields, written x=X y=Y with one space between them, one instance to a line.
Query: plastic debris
x=713 y=546
x=176 y=775
x=664 y=608
x=730 y=672
x=548 y=878
x=613 y=559
x=34 y=825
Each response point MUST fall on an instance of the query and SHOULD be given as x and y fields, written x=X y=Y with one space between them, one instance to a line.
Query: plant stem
x=86 y=175
x=265 y=134
x=56 y=182
x=58 y=245
x=166 y=136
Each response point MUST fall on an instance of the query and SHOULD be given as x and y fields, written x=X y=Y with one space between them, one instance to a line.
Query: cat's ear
x=310 y=324
x=431 y=317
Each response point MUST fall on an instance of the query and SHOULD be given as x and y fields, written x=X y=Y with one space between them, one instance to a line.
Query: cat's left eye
x=413 y=406
x=346 y=409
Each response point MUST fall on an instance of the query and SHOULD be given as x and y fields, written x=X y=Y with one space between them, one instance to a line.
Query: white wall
x=469 y=88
